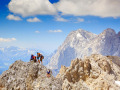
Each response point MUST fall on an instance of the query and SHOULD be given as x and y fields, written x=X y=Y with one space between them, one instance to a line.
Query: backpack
x=48 y=72
x=42 y=56
x=32 y=56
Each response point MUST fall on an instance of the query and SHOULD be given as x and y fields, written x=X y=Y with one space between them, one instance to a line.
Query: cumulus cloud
x=31 y=7
x=79 y=20
x=7 y=39
x=55 y=31
x=59 y=18
x=102 y=8
x=33 y=20
x=37 y=31
x=12 y=17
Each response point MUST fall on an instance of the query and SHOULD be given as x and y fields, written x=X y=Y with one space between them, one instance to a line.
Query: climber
x=38 y=56
x=48 y=73
x=32 y=57
x=41 y=58
x=35 y=60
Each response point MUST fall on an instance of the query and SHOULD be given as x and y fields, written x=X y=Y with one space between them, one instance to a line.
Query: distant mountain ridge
x=81 y=43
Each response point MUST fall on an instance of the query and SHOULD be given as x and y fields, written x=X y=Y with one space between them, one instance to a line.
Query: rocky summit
x=95 y=72
x=28 y=76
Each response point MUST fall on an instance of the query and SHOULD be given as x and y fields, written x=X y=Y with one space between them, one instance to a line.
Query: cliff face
x=95 y=72
x=28 y=76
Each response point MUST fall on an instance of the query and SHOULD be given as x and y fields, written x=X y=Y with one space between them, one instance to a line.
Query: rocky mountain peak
x=28 y=76
x=109 y=32
x=80 y=33
x=119 y=33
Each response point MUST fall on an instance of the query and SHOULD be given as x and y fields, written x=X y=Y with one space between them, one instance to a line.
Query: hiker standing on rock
x=40 y=57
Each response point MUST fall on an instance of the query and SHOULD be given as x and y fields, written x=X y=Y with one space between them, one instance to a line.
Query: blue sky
x=45 y=24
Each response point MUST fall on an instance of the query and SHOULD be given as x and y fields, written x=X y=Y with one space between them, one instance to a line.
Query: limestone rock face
x=95 y=72
x=28 y=76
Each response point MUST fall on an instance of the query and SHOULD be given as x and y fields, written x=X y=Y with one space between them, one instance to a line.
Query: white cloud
x=32 y=7
x=102 y=8
x=7 y=39
x=55 y=31
x=1 y=67
x=35 y=19
x=7 y=64
x=79 y=20
x=12 y=17
x=58 y=18
x=37 y=31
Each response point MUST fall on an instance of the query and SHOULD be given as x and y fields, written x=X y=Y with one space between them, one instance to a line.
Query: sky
x=44 y=24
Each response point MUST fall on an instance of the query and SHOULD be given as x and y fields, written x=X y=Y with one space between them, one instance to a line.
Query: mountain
x=10 y=54
x=28 y=76
x=81 y=43
x=95 y=72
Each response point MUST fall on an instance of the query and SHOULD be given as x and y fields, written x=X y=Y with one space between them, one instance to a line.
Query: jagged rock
x=28 y=76
x=76 y=86
x=104 y=65
x=87 y=67
x=95 y=72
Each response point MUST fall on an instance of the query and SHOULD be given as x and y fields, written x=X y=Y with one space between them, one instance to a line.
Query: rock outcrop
x=95 y=72
x=28 y=76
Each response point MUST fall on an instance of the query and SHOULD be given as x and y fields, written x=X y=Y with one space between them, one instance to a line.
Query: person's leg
x=38 y=60
x=41 y=62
